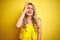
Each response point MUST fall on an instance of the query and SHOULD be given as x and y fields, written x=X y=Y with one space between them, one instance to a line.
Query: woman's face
x=29 y=11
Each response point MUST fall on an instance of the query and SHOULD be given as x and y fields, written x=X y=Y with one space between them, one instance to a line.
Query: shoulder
x=38 y=20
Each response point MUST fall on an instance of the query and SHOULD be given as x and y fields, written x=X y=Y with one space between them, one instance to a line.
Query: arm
x=19 y=22
x=39 y=30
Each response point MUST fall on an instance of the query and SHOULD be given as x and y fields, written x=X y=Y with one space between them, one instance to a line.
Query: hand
x=26 y=6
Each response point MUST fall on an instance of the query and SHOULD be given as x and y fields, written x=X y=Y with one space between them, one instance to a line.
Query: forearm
x=39 y=34
x=19 y=22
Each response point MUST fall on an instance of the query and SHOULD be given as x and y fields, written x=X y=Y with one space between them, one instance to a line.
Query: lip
x=29 y=12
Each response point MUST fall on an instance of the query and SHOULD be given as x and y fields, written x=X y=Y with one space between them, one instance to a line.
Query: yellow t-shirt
x=28 y=33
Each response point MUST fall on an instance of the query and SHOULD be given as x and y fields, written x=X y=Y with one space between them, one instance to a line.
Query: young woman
x=29 y=24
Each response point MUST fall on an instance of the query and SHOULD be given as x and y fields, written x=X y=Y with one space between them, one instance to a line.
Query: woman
x=29 y=24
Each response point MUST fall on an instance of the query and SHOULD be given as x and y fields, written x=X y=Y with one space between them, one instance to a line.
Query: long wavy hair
x=34 y=19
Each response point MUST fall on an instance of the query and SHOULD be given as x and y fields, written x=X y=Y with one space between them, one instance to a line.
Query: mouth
x=29 y=12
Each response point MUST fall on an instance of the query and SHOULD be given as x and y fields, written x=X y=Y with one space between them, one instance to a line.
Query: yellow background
x=47 y=11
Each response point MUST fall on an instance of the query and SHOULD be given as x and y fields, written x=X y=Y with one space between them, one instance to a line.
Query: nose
x=29 y=9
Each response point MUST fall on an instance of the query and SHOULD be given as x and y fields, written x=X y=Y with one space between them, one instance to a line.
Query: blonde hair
x=34 y=19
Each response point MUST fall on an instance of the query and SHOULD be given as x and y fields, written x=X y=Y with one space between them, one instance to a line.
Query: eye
x=28 y=8
x=32 y=8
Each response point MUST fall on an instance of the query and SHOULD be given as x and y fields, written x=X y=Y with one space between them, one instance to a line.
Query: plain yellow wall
x=47 y=11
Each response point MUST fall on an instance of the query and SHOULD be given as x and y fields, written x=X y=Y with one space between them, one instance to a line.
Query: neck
x=29 y=18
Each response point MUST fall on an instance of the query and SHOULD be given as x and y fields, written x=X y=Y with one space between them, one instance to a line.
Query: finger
x=26 y=4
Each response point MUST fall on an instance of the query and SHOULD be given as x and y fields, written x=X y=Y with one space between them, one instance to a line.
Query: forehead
x=29 y=5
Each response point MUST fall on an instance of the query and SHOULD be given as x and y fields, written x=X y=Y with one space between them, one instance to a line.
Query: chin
x=29 y=14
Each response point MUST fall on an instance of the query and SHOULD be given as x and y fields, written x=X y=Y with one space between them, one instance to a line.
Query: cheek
x=27 y=11
x=32 y=11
